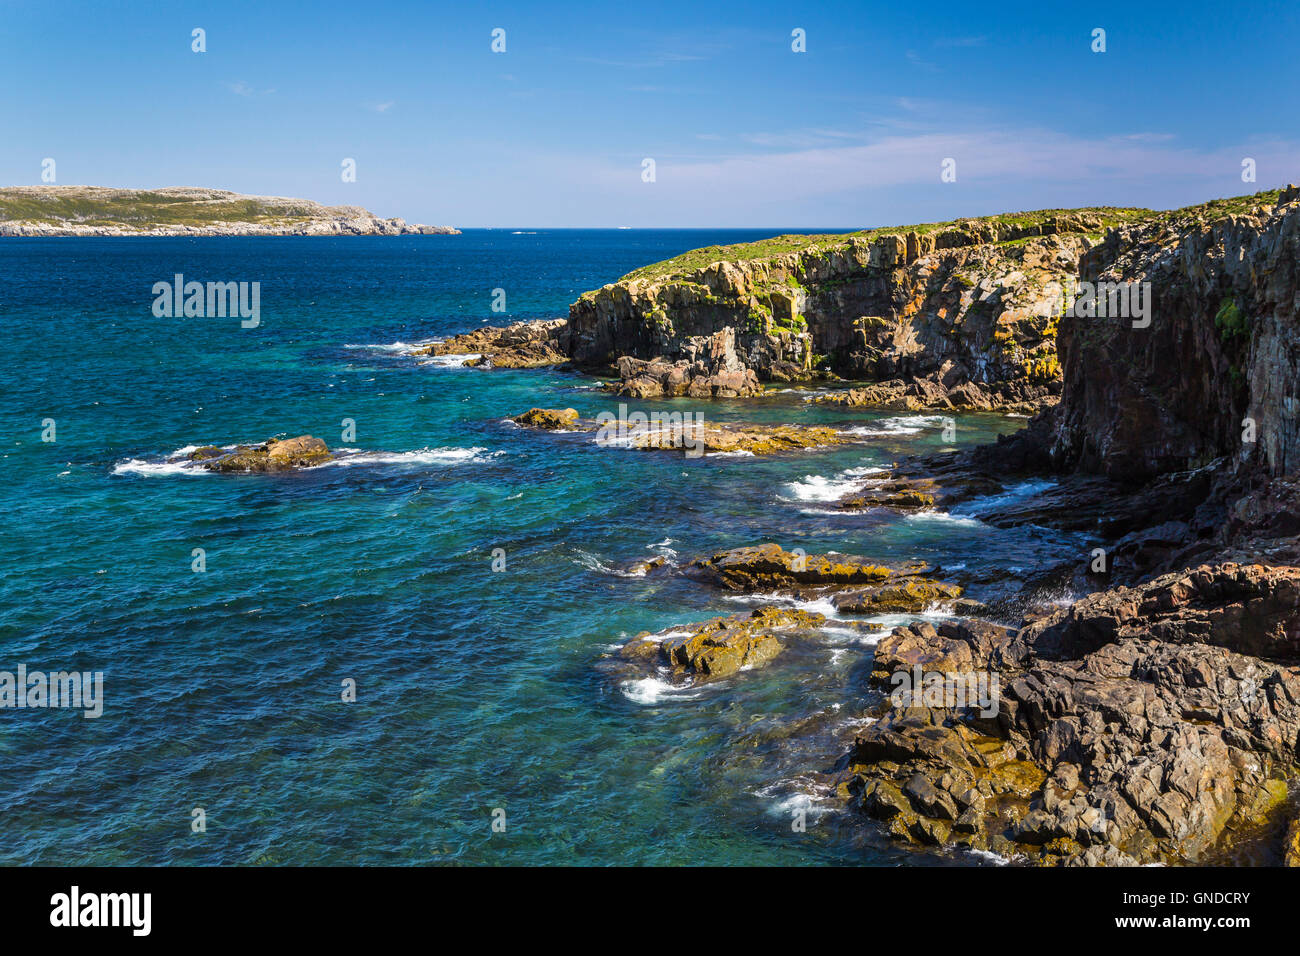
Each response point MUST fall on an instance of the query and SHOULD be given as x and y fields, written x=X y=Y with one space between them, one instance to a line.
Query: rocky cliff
x=184 y=211
x=1155 y=721
x=1214 y=374
x=969 y=308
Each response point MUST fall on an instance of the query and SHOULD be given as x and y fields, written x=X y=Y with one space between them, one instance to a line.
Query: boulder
x=271 y=456
x=549 y=419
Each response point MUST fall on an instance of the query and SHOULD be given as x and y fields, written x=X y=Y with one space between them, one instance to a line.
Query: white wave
x=157 y=469
x=791 y=795
x=450 y=361
x=393 y=346
x=821 y=605
x=820 y=488
x=730 y=454
x=424 y=456
x=943 y=517
x=593 y=563
x=851 y=636
x=899 y=425
x=988 y=856
x=178 y=462
x=1008 y=495
x=651 y=690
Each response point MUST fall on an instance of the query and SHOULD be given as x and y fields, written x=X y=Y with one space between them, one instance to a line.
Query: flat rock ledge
x=270 y=456
x=931 y=394
x=521 y=345
x=734 y=438
x=1148 y=724
x=769 y=567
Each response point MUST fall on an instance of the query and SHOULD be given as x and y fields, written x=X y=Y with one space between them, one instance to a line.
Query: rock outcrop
x=688 y=435
x=737 y=438
x=723 y=645
x=270 y=456
x=1220 y=347
x=1149 y=722
x=521 y=345
x=769 y=567
x=709 y=368
x=1134 y=726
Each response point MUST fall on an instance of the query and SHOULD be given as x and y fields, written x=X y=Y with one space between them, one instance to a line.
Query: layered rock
x=737 y=438
x=1221 y=346
x=709 y=368
x=910 y=595
x=1135 y=726
x=769 y=567
x=969 y=309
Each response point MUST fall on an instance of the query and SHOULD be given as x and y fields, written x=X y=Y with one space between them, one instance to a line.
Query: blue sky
x=743 y=131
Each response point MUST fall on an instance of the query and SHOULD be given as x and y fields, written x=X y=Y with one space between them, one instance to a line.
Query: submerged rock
x=271 y=456
x=902 y=494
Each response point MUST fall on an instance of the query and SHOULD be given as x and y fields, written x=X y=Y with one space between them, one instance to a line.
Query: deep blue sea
x=476 y=691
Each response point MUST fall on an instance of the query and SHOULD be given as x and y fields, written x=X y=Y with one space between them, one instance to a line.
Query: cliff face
x=1220 y=357
x=974 y=305
x=184 y=211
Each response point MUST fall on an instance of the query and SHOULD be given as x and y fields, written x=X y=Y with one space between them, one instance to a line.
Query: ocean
x=481 y=696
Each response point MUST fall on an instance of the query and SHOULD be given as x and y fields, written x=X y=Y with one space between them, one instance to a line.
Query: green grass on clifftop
x=1100 y=218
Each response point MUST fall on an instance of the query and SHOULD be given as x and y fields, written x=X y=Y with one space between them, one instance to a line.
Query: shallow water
x=476 y=690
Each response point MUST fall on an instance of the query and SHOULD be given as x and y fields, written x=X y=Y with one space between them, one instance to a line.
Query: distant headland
x=184 y=211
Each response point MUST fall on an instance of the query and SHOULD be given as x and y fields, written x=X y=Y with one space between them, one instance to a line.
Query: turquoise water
x=476 y=690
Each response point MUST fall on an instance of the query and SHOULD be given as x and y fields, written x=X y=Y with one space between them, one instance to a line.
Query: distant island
x=184 y=211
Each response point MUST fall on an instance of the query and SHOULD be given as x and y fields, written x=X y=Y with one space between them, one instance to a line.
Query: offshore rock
x=548 y=419
x=723 y=645
x=768 y=567
x=271 y=456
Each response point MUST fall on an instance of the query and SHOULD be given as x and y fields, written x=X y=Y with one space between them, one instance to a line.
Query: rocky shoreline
x=1155 y=719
